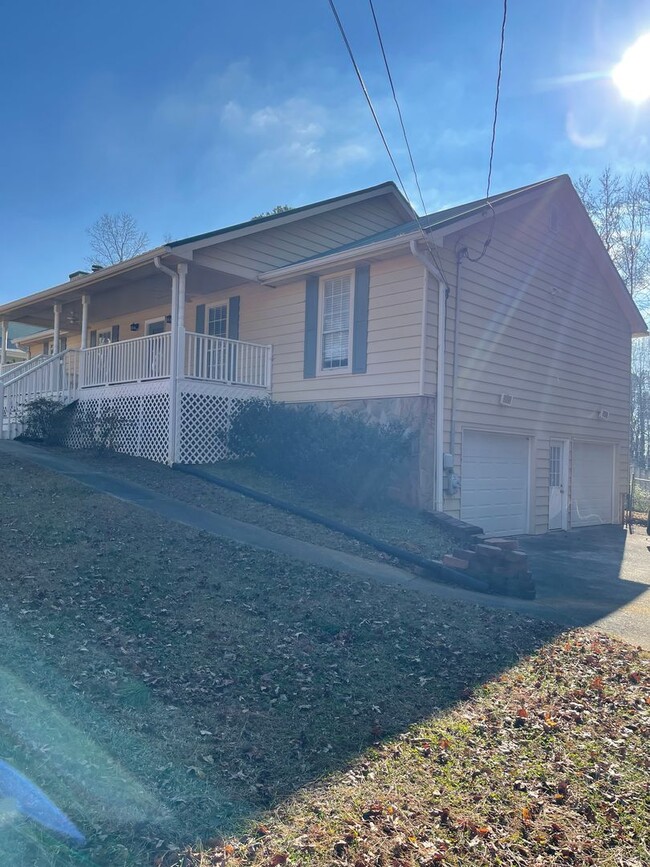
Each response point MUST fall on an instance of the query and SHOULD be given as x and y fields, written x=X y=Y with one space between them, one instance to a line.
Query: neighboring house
x=513 y=365
x=14 y=353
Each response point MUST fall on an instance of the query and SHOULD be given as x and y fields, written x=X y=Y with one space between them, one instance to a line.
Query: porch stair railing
x=10 y=371
x=56 y=377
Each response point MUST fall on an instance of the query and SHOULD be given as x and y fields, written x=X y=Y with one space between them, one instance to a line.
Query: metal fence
x=639 y=501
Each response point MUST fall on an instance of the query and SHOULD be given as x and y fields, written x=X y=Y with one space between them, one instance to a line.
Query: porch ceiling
x=114 y=293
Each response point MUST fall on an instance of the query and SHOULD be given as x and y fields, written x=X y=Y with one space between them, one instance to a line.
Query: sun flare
x=632 y=74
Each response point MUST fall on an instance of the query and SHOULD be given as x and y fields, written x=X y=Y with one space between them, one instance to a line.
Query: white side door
x=557 y=486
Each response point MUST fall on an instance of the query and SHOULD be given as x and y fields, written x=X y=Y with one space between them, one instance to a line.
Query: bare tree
x=115 y=238
x=619 y=206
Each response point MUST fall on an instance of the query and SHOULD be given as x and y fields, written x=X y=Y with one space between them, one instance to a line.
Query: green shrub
x=46 y=421
x=339 y=454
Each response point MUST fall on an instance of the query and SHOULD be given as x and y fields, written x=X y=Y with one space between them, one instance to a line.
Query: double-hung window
x=218 y=321
x=335 y=322
x=217 y=351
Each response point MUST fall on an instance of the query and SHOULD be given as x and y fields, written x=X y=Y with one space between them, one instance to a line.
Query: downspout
x=423 y=330
x=173 y=365
x=460 y=255
x=443 y=292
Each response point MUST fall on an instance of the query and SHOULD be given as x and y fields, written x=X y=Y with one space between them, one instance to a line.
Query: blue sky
x=197 y=115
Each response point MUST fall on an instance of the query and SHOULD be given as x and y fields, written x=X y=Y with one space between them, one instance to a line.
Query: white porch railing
x=56 y=378
x=61 y=376
x=137 y=360
x=10 y=371
x=234 y=362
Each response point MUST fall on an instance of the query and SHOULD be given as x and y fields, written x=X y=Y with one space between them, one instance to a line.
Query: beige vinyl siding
x=431 y=337
x=124 y=321
x=282 y=245
x=276 y=316
x=538 y=322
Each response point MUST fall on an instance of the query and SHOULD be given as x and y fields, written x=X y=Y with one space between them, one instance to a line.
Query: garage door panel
x=495 y=479
x=592 y=477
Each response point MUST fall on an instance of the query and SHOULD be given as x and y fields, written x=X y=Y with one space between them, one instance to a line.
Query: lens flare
x=632 y=74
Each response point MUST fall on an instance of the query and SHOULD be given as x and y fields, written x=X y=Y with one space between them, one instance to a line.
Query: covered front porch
x=171 y=390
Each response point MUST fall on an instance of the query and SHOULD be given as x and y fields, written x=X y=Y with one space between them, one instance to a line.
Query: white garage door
x=494 y=492
x=591 y=484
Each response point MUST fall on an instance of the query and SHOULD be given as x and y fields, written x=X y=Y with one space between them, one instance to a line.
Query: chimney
x=96 y=268
x=76 y=274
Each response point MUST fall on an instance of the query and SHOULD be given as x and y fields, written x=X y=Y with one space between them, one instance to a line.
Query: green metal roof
x=435 y=220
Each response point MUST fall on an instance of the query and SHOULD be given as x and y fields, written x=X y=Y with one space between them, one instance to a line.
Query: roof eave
x=77 y=283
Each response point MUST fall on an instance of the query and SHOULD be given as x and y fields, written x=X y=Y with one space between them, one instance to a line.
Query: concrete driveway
x=597 y=576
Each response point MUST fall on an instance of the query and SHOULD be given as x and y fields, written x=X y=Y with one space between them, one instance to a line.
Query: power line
x=397 y=105
x=495 y=118
x=366 y=94
x=496 y=98
x=381 y=131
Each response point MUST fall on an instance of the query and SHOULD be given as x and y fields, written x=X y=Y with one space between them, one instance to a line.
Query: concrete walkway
x=623 y=615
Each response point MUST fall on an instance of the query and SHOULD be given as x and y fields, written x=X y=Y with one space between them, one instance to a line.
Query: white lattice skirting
x=137 y=414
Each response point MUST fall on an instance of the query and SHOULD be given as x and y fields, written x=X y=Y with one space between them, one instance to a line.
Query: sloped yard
x=393 y=523
x=163 y=688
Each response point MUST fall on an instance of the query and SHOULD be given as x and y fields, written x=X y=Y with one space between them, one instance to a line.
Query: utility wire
x=432 y=252
x=495 y=118
x=397 y=105
x=366 y=94
x=380 y=129
x=496 y=98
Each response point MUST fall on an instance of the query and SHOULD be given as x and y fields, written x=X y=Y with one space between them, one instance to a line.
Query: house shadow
x=183 y=701
x=592 y=574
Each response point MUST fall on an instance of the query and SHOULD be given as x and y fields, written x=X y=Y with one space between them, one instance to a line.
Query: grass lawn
x=392 y=523
x=187 y=701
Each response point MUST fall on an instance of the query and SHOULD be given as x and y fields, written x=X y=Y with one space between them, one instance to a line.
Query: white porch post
x=5 y=339
x=85 y=303
x=180 y=317
x=57 y=329
x=173 y=377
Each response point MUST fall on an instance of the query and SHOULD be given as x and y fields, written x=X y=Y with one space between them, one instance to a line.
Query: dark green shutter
x=115 y=333
x=46 y=347
x=311 y=327
x=200 y=319
x=93 y=338
x=233 y=318
x=360 y=327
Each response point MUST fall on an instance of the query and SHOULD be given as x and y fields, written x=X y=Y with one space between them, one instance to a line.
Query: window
x=554 y=467
x=104 y=336
x=63 y=344
x=154 y=326
x=218 y=321
x=336 y=304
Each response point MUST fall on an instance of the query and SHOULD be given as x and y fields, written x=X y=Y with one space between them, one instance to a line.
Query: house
x=500 y=332
x=10 y=340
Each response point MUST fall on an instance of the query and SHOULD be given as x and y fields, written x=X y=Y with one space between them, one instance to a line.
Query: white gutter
x=173 y=365
x=443 y=291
